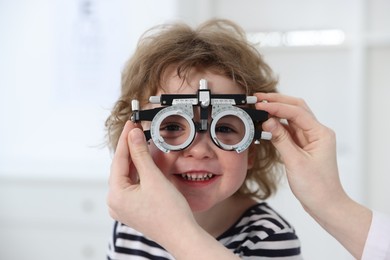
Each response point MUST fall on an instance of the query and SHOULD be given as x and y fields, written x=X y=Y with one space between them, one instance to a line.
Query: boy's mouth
x=197 y=176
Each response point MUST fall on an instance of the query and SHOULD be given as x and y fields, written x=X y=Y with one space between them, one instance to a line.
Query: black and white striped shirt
x=260 y=233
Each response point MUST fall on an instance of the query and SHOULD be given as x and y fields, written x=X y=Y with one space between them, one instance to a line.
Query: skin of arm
x=141 y=197
x=308 y=150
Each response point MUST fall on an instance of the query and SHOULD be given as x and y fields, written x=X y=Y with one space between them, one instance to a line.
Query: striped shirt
x=260 y=233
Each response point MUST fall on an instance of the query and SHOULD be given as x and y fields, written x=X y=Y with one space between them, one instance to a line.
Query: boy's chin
x=198 y=206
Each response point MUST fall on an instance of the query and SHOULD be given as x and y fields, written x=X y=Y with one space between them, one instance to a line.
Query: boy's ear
x=251 y=155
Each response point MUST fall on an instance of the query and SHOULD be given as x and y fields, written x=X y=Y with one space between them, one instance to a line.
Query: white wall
x=60 y=76
x=53 y=219
x=377 y=99
x=58 y=82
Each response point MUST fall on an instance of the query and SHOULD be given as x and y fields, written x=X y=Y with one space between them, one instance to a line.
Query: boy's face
x=203 y=173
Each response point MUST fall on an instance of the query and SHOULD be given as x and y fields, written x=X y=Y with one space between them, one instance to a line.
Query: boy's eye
x=229 y=130
x=174 y=133
x=224 y=129
x=174 y=130
x=171 y=127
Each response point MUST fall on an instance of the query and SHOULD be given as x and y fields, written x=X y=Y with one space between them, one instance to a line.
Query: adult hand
x=139 y=194
x=308 y=150
x=307 y=147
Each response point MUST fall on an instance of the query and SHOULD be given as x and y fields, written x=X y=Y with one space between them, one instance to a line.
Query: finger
x=285 y=99
x=296 y=115
x=281 y=139
x=119 y=175
x=140 y=154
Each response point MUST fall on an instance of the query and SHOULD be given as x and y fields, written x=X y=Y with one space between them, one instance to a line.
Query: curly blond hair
x=218 y=45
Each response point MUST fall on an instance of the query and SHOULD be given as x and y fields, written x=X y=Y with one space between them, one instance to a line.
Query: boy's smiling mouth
x=197 y=176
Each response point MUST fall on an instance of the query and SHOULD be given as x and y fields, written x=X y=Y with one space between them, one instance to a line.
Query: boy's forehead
x=218 y=84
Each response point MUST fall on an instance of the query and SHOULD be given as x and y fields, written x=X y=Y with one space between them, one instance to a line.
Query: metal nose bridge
x=201 y=128
x=203 y=114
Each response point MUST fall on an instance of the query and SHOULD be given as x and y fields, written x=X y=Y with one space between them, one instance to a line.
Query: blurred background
x=60 y=66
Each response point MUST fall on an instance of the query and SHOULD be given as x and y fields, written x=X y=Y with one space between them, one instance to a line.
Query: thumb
x=281 y=138
x=139 y=152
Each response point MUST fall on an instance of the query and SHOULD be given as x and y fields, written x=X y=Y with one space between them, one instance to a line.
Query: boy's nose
x=201 y=147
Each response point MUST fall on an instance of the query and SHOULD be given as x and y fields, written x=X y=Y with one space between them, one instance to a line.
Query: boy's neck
x=222 y=216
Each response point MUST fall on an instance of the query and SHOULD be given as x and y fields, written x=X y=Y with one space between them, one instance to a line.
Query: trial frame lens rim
x=177 y=110
x=245 y=119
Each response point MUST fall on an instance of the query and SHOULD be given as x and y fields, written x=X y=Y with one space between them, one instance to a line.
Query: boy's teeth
x=197 y=177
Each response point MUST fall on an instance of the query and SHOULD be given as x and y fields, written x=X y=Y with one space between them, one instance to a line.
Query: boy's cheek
x=154 y=151
x=164 y=161
x=251 y=156
x=159 y=157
